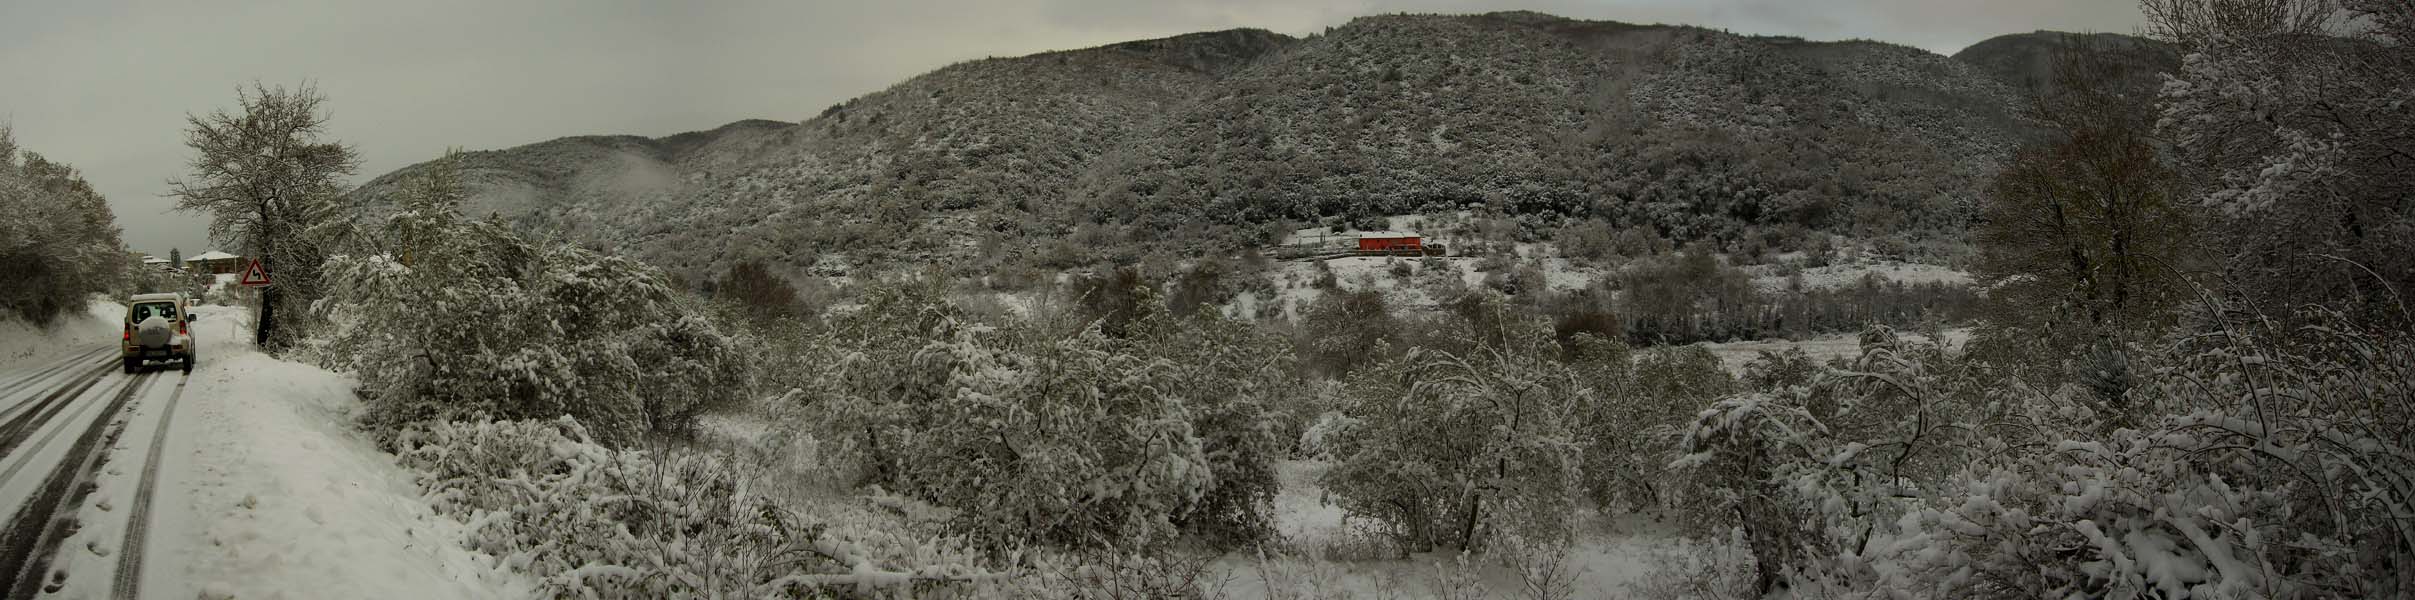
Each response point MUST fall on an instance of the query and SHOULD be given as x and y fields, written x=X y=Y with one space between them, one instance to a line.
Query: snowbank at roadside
x=97 y=325
x=270 y=492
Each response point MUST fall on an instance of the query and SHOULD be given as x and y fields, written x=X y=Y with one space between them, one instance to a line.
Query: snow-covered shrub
x=1589 y=240
x=1641 y=402
x=1316 y=439
x=1211 y=283
x=1812 y=474
x=1591 y=311
x=1310 y=416
x=1445 y=450
x=1071 y=439
x=459 y=319
x=1218 y=376
x=1114 y=299
x=594 y=522
x=2276 y=465
x=2287 y=120
x=752 y=288
x=1739 y=458
x=1523 y=280
x=1231 y=377
x=1769 y=370
x=1340 y=331
x=2265 y=462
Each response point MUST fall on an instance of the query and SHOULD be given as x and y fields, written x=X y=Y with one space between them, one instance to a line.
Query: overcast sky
x=105 y=86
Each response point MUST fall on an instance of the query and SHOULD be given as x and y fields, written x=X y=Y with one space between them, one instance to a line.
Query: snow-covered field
x=1295 y=290
x=1734 y=355
x=271 y=492
x=1295 y=287
x=1845 y=275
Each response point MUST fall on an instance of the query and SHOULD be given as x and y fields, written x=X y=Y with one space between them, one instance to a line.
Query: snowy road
x=250 y=478
x=65 y=433
x=245 y=479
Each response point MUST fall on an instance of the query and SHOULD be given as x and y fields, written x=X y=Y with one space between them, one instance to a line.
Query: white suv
x=158 y=327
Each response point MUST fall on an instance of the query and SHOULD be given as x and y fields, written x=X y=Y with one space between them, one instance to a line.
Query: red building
x=1391 y=241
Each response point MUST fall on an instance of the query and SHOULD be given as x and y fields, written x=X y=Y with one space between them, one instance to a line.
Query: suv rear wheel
x=132 y=365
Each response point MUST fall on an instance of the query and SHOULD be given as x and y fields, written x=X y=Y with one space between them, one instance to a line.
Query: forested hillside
x=2026 y=60
x=1694 y=132
x=1205 y=142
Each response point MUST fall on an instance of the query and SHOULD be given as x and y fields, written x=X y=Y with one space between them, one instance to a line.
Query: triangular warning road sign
x=253 y=275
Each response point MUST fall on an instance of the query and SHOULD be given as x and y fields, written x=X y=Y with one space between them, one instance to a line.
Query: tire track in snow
x=16 y=429
x=19 y=462
x=130 y=554
x=52 y=367
x=28 y=383
x=34 y=533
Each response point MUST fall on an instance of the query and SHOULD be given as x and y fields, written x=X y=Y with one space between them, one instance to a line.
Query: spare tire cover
x=154 y=332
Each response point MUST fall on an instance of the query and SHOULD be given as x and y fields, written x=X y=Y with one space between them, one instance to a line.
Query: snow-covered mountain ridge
x=1200 y=141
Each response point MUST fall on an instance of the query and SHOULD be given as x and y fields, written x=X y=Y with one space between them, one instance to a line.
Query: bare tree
x=2087 y=222
x=268 y=180
x=2195 y=24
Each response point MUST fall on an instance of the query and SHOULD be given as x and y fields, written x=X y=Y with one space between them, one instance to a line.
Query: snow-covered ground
x=1295 y=282
x=95 y=326
x=1734 y=355
x=1845 y=275
x=1608 y=561
x=269 y=491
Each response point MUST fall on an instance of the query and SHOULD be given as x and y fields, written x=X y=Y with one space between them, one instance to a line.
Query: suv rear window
x=141 y=312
